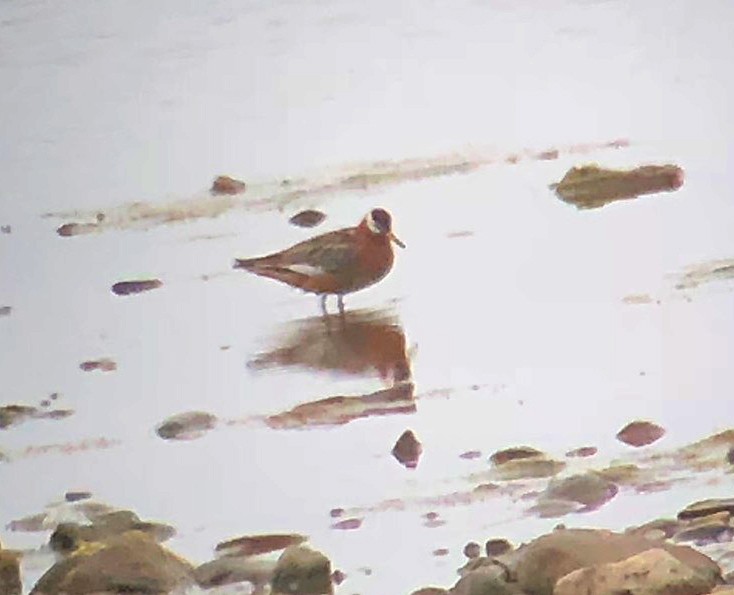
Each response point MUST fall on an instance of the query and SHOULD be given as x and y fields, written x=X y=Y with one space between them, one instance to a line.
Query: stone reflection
x=357 y=343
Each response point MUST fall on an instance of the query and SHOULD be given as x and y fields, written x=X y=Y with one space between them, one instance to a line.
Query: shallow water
x=508 y=306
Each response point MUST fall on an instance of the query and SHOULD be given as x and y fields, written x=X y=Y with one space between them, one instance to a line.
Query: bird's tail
x=245 y=263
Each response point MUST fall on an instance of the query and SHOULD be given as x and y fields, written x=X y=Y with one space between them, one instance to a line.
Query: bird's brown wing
x=331 y=253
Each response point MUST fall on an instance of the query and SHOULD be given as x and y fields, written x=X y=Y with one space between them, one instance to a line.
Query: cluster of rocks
x=646 y=560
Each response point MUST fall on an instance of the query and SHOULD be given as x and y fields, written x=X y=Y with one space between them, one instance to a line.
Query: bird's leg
x=323 y=305
x=340 y=303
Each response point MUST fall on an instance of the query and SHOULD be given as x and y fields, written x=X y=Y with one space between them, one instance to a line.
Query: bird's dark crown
x=381 y=219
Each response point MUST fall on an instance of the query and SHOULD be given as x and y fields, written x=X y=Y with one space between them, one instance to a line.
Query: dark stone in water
x=104 y=365
x=407 y=450
x=582 y=452
x=640 y=433
x=730 y=456
x=129 y=287
x=5 y=310
x=76 y=496
x=472 y=550
x=308 y=218
x=510 y=454
x=227 y=185
x=186 y=426
x=252 y=545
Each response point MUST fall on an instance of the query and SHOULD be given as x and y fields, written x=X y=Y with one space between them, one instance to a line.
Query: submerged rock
x=235 y=569
x=186 y=426
x=303 y=571
x=104 y=365
x=640 y=433
x=653 y=572
x=130 y=287
x=590 y=489
x=5 y=310
x=127 y=563
x=524 y=462
x=308 y=218
x=227 y=185
x=582 y=452
x=407 y=450
x=591 y=187
x=11 y=415
x=253 y=545
x=516 y=452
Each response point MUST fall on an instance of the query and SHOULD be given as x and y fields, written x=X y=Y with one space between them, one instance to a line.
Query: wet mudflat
x=526 y=363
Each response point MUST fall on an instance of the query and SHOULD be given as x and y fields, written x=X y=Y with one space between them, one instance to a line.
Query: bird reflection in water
x=356 y=343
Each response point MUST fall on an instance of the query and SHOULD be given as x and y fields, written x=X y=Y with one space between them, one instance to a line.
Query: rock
x=706 y=508
x=430 y=591
x=127 y=563
x=10 y=583
x=234 y=569
x=6 y=229
x=527 y=468
x=77 y=496
x=472 y=550
x=622 y=474
x=548 y=508
x=640 y=433
x=68 y=537
x=653 y=572
x=542 y=562
x=582 y=452
x=486 y=580
x=713 y=528
x=589 y=489
x=591 y=187
x=470 y=454
x=253 y=545
x=730 y=456
x=130 y=287
x=104 y=365
x=511 y=454
x=302 y=571
x=497 y=547
x=407 y=450
x=666 y=527
x=11 y=415
x=227 y=185
x=186 y=426
x=440 y=552
x=338 y=577
x=348 y=524
x=75 y=229
x=5 y=310
x=308 y=218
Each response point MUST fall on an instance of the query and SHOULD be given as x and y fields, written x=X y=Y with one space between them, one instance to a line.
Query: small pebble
x=472 y=550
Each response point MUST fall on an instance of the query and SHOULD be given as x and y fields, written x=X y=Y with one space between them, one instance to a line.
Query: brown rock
x=308 y=218
x=506 y=455
x=407 y=450
x=653 y=572
x=186 y=426
x=542 y=562
x=302 y=570
x=730 y=456
x=430 y=591
x=591 y=187
x=129 y=563
x=668 y=528
x=252 y=545
x=486 y=580
x=472 y=550
x=582 y=452
x=640 y=433
x=533 y=467
x=590 y=489
x=10 y=583
x=104 y=365
x=75 y=229
x=706 y=508
x=234 y=569
x=713 y=528
x=227 y=185
x=130 y=287
x=348 y=524
x=497 y=547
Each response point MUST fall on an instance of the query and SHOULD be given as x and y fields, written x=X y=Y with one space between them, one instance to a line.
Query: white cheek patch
x=371 y=225
x=305 y=269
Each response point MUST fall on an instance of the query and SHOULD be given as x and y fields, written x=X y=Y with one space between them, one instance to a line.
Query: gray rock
x=129 y=563
x=713 y=528
x=653 y=572
x=302 y=571
x=186 y=426
x=590 y=489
